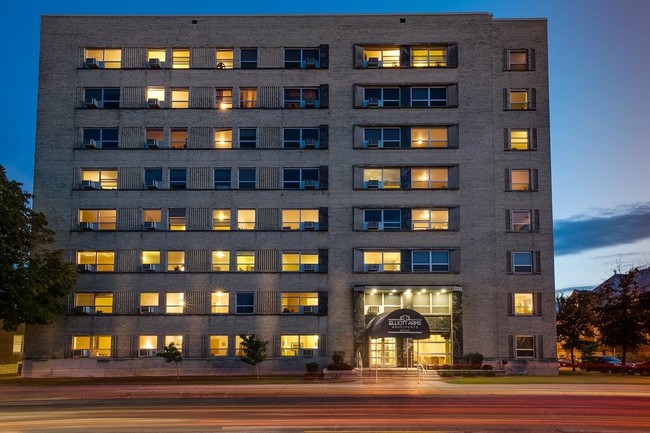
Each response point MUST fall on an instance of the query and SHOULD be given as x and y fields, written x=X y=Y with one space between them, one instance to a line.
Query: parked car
x=642 y=368
x=564 y=362
x=605 y=364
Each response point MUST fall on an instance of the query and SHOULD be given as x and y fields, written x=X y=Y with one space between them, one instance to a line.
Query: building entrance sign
x=402 y=323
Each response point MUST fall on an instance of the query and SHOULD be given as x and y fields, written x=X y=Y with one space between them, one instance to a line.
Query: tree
x=575 y=322
x=254 y=351
x=34 y=277
x=171 y=353
x=623 y=313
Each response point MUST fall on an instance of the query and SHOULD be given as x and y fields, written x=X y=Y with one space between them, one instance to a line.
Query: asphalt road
x=429 y=407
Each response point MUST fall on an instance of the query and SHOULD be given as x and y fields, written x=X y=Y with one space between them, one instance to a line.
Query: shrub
x=475 y=359
x=312 y=367
x=487 y=367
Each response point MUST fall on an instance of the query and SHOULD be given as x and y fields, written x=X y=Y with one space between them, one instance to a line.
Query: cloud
x=602 y=228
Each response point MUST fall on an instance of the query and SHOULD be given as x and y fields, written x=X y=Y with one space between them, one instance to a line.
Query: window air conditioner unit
x=310 y=184
x=92 y=103
x=147 y=353
x=92 y=63
x=373 y=225
x=87 y=226
x=310 y=143
x=308 y=268
x=152 y=143
x=149 y=267
x=308 y=309
x=87 y=310
x=153 y=103
x=310 y=62
x=374 y=268
x=373 y=309
x=309 y=225
x=373 y=142
x=154 y=63
x=85 y=268
x=150 y=225
x=148 y=309
x=373 y=62
x=308 y=352
x=153 y=184
x=373 y=183
x=89 y=184
x=91 y=144
x=373 y=102
x=84 y=353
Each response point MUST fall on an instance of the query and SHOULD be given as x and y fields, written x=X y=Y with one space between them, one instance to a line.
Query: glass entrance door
x=383 y=352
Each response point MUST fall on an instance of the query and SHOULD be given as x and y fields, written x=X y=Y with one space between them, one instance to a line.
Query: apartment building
x=295 y=177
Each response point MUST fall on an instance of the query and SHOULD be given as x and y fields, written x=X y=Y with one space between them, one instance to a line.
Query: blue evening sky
x=599 y=59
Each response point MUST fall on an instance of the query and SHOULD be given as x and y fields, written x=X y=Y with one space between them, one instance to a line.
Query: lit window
x=223 y=98
x=522 y=262
x=300 y=178
x=518 y=100
x=432 y=303
x=517 y=60
x=377 y=302
x=520 y=180
x=18 y=344
x=180 y=98
x=100 y=138
x=428 y=97
x=150 y=257
x=220 y=261
x=523 y=304
x=222 y=178
x=430 y=178
x=95 y=346
x=381 y=97
x=300 y=138
x=177 y=219
x=92 y=303
x=521 y=220
x=152 y=216
x=147 y=345
x=248 y=58
x=218 y=345
x=301 y=58
x=245 y=261
x=519 y=139
x=239 y=345
x=175 y=261
x=99 y=219
x=429 y=137
x=180 y=58
x=299 y=345
x=247 y=178
x=246 y=219
x=524 y=346
x=382 y=261
x=176 y=340
x=381 y=137
x=221 y=219
x=382 y=219
x=430 y=219
x=300 y=303
x=157 y=93
x=174 y=303
x=219 y=303
x=225 y=58
x=102 y=98
x=178 y=138
x=297 y=261
x=155 y=137
x=245 y=302
x=300 y=219
x=105 y=58
x=99 y=261
x=99 y=179
x=430 y=261
x=158 y=54
x=247 y=138
x=248 y=98
x=434 y=351
x=428 y=56
x=301 y=98
x=149 y=302
x=381 y=178
x=381 y=57
x=177 y=178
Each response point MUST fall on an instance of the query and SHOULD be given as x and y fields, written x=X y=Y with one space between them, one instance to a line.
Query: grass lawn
x=565 y=376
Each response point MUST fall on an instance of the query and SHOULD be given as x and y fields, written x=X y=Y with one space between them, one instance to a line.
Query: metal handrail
x=360 y=363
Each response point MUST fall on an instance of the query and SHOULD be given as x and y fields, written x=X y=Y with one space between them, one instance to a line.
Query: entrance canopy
x=402 y=323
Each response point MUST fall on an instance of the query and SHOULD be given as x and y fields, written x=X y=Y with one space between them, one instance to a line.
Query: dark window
x=429 y=97
x=105 y=98
x=430 y=261
x=247 y=138
x=246 y=178
x=381 y=137
x=151 y=174
x=522 y=262
x=302 y=58
x=249 y=58
x=245 y=302
x=382 y=97
x=300 y=178
x=295 y=138
x=106 y=138
x=382 y=219
x=222 y=178
x=177 y=178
